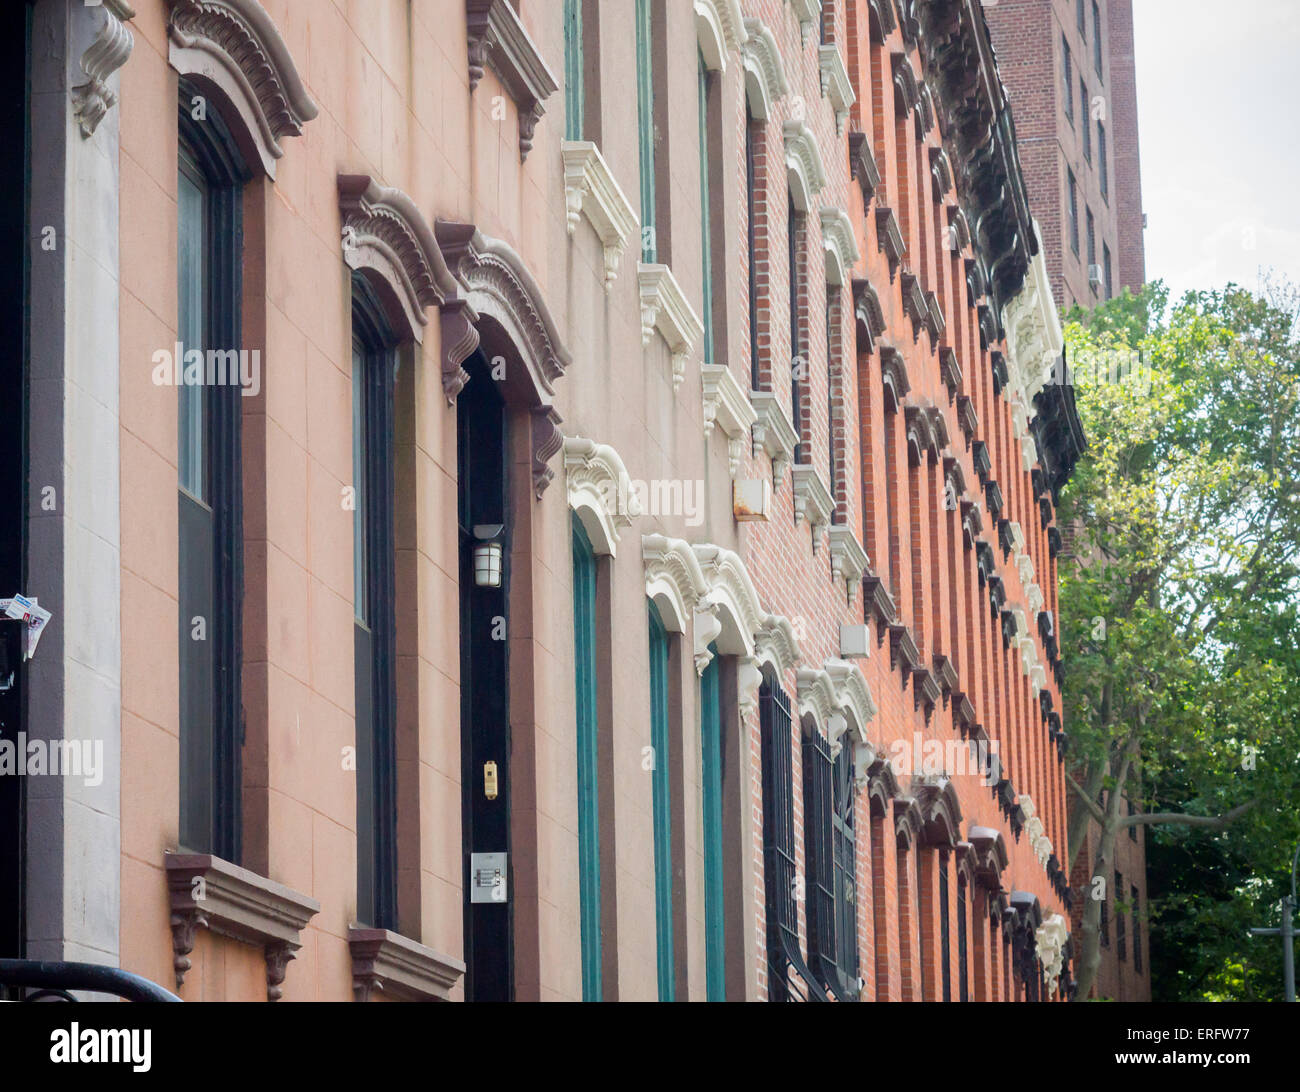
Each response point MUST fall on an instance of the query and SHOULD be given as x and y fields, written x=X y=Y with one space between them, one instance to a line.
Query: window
x=209 y=262
x=798 y=365
x=1102 y=164
x=750 y=213
x=832 y=314
x=779 y=874
x=1120 y=938
x=1110 y=293
x=584 y=659
x=1073 y=203
x=1092 y=239
x=1069 y=79
x=1104 y=926
x=1087 y=128
x=1137 y=932
x=573 y=60
x=1132 y=830
x=945 y=951
x=375 y=626
x=645 y=124
x=1096 y=37
x=661 y=806
x=1081 y=19
x=829 y=856
x=963 y=981
x=711 y=748
x=706 y=247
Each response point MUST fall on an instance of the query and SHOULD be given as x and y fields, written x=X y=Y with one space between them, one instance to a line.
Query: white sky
x=1218 y=87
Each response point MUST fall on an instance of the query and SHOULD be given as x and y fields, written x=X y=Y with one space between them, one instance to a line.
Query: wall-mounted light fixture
x=487 y=555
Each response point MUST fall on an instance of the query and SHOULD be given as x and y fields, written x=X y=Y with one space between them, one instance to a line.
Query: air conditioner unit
x=1094 y=276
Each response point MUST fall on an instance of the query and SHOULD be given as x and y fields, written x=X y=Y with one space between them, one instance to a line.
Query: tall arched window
x=210 y=179
x=829 y=862
x=587 y=694
x=374 y=362
x=661 y=804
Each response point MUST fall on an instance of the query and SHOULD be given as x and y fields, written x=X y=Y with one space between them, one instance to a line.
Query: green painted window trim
x=706 y=227
x=645 y=125
x=711 y=780
x=584 y=659
x=573 y=59
x=661 y=806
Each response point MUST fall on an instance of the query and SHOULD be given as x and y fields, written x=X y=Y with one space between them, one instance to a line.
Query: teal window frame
x=584 y=659
x=706 y=226
x=715 y=936
x=645 y=125
x=573 y=61
x=661 y=805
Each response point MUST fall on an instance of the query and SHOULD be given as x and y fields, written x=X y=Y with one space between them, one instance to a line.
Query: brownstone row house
x=549 y=501
x=1070 y=75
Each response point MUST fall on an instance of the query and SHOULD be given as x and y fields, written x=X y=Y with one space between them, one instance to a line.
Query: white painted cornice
x=590 y=187
x=840 y=244
x=765 y=80
x=673 y=579
x=848 y=559
x=773 y=432
x=812 y=500
x=725 y=404
x=836 y=84
x=805 y=171
x=600 y=491
x=719 y=29
x=665 y=308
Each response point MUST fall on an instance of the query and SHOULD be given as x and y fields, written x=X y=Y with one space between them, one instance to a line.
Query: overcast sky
x=1219 y=123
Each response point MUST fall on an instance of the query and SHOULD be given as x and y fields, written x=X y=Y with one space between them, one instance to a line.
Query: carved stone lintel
x=107 y=53
x=496 y=39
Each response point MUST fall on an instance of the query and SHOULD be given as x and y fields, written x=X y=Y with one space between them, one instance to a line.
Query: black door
x=484 y=718
x=15 y=168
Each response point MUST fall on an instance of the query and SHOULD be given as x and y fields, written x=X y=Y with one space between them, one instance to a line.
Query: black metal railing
x=53 y=981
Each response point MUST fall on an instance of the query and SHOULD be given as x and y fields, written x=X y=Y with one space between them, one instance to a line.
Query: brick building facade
x=626 y=568
x=1070 y=74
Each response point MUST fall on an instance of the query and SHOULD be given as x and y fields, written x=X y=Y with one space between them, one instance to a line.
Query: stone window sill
x=400 y=968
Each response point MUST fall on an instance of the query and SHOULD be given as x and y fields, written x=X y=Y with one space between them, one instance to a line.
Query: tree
x=1178 y=595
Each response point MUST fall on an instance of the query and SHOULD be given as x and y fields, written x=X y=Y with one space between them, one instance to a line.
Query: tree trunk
x=1080 y=816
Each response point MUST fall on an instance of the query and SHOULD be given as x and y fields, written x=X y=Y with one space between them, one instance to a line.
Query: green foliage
x=1179 y=608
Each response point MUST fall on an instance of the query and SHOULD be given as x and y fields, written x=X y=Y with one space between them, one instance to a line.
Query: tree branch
x=1214 y=822
x=1089 y=804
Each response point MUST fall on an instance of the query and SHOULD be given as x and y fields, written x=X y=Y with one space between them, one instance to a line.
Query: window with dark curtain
x=1137 y=932
x=1120 y=930
x=374 y=630
x=945 y=951
x=750 y=214
x=798 y=364
x=1096 y=37
x=210 y=180
x=1069 y=79
x=963 y=979
x=779 y=872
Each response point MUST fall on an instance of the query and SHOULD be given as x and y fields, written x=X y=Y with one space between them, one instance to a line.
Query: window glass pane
x=359 y=560
x=706 y=248
x=645 y=130
x=573 y=91
x=191 y=290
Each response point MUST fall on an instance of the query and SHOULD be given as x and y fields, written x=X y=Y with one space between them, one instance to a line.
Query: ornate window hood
x=386 y=236
x=870 y=315
x=234 y=46
x=889 y=236
x=773 y=433
x=664 y=307
x=673 y=579
x=809 y=14
x=730 y=612
x=725 y=404
x=848 y=558
x=836 y=84
x=805 y=171
x=812 y=500
x=765 y=80
x=497 y=39
x=719 y=29
x=589 y=187
x=840 y=245
x=862 y=163
x=600 y=491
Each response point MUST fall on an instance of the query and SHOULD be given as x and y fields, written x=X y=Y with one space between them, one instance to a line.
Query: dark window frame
x=1096 y=39
x=1068 y=80
x=798 y=362
x=963 y=944
x=211 y=571
x=945 y=927
x=1121 y=931
x=1103 y=161
x=751 y=172
x=375 y=623
x=1137 y=932
x=1072 y=198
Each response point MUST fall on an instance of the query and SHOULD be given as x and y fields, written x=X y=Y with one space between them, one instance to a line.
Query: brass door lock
x=490 y=780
